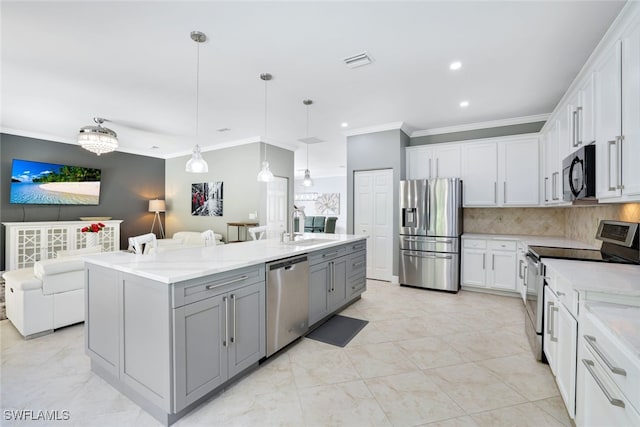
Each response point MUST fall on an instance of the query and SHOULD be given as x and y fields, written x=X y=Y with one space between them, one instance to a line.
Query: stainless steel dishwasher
x=287 y=301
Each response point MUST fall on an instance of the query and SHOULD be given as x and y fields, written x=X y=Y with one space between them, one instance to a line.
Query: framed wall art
x=207 y=199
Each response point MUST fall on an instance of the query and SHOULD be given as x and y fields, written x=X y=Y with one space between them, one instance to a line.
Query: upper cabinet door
x=630 y=144
x=446 y=161
x=520 y=178
x=419 y=162
x=480 y=174
x=608 y=121
x=585 y=113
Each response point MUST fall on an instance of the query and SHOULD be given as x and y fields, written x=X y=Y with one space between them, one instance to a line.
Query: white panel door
x=480 y=174
x=373 y=216
x=277 y=198
x=608 y=122
x=521 y=173
x=630 y=145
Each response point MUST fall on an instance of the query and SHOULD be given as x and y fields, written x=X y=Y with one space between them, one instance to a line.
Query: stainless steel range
x=619 y=245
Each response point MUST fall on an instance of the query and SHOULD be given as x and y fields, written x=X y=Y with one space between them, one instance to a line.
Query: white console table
x=28 y=242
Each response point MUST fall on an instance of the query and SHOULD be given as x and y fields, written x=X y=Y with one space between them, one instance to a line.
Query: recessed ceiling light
x=345 y=125
x=154 y=147
x=455 y=65
x=464 y=104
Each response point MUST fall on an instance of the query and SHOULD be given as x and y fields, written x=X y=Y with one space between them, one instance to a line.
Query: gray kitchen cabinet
x=356 y=273
x=319 y=286
x=336 y=276
x=199 y=348
x=216 y=339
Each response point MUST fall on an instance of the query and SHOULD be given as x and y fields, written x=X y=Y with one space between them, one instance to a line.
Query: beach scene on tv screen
x=53 y=184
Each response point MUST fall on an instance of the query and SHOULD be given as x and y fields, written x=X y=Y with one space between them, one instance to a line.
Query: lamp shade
x=157 y=206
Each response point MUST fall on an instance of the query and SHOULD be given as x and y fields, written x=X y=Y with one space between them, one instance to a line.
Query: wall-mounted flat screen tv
x=37 y=183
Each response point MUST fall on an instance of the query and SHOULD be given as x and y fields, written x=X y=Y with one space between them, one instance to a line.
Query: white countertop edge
x=603 y=277
x=178 y=265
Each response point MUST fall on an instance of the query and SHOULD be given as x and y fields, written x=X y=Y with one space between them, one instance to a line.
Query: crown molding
x=482 y=125
x=379 y=128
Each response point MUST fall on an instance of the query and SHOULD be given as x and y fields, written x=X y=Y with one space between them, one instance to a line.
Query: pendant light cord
x=197 y=87
x=307 y=136
x=265 y=120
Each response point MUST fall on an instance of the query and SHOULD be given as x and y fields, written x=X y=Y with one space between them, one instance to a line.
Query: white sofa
x=48 y=295
x=186 y=239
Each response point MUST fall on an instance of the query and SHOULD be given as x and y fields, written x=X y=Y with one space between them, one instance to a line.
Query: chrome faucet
x=299 y=213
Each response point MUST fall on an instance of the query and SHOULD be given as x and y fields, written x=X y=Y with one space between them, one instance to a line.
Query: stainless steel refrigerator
x=430 y=229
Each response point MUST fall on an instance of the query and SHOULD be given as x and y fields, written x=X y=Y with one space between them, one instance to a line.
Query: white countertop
x=553 y=241
x=188 y=263
x=621 y=279
x=622 y=320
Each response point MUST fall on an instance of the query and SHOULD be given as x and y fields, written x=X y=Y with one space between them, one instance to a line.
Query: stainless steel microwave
x=579 y=174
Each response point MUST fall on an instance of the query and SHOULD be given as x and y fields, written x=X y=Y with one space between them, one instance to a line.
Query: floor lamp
x=157 y=206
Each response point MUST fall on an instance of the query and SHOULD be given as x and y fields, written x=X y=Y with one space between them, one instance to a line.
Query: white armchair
x=48 y=295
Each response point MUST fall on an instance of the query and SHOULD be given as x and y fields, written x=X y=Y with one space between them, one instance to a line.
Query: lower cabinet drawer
x=356 y=284
x=193 y=291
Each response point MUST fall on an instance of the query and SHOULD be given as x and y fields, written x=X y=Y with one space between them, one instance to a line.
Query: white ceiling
x=134 y=63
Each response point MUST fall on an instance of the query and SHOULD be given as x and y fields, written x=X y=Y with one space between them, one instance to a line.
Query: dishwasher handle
x=287 y=264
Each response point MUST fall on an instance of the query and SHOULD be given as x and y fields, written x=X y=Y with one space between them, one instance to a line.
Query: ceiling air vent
x=311 y=140
x=358 y=60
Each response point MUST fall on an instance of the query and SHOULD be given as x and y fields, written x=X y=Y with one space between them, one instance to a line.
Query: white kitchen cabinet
x=501 y=171
x=489 y=264
x=433 y=161
x=580 y=117
x=520 y=168
x=480 y=173
x=560 y=335
x=617 y=98
x=552 y=192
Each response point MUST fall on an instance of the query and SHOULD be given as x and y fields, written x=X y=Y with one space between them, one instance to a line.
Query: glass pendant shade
x=265 y=174
x=196 y=163
x=307 y=182
x=98 y=139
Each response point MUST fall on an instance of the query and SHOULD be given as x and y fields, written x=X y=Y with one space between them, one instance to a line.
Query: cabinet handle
x=437 y=167
x=554 y=184
x=619 y=160
x=484 y=258
x=560 y=294
x=612 y=400
x=226 y=323
x=429 y=176
x=550 y=322
x=233 y=337
x=579 y=126
x=546 y=198
x=504 y=191
x=554 y=310
x=520 y=268
x=495 y=192
x=574 y=131
x=526 y=267
x=239 y=279
x=332 y=253
x=493 y=261
x=591 y=340
x=358 y=264
x=609 y=144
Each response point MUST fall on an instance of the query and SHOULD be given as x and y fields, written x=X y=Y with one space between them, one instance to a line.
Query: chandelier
x=98 y=139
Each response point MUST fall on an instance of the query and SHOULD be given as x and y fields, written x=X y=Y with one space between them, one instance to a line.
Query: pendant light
x=307 y=182
x=98 y=139
x=265 y=174
x=196 y=163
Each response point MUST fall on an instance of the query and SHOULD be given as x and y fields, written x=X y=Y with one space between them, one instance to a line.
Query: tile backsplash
x=530 y=221
x=582 y=222
x=574 y=222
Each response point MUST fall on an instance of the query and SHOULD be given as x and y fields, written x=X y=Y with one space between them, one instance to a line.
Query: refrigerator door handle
x=423 y=255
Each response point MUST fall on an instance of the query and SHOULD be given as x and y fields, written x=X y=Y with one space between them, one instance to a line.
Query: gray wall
x=478 y=133
x=237 y=167
x=128 y=182
x=380 y=150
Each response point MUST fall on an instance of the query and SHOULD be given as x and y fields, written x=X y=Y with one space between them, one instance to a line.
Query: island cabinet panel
x=102 y=313
x=356 y=273
x=200 y=349
x=146 y=339
x=338 y=289
x=319 y=286
x=247 y=328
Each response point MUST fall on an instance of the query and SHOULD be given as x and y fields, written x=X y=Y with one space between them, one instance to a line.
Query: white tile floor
x=425 y=358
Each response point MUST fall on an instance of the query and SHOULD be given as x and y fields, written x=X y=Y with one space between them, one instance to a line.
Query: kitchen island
x=171 y=329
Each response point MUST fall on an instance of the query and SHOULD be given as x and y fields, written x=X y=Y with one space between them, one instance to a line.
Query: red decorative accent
x=93 y=228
